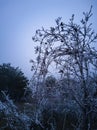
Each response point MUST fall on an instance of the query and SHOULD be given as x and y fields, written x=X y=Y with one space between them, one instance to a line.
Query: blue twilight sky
x=20 y=18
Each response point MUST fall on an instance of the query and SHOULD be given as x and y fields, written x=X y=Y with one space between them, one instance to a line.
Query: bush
x=12 y=82
x=11 y=118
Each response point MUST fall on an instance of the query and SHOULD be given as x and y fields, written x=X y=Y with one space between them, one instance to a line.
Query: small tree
x=12 y=81
x=69 y=47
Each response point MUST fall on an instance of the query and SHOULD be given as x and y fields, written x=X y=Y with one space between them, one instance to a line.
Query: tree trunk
x=86 y=120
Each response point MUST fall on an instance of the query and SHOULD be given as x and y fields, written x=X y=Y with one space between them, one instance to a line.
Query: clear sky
x=20 y=18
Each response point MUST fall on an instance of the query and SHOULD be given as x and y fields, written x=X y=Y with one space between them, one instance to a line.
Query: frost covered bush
x=11 y=118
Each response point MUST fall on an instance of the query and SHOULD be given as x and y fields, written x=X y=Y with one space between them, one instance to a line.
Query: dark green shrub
x=12 y=81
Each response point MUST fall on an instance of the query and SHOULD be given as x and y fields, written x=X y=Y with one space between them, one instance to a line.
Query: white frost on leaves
x=2 y=106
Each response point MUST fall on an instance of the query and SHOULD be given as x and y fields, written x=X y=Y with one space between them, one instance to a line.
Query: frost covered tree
x=69 y=47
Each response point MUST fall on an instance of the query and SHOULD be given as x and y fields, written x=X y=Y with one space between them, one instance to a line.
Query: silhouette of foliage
x=12 y=81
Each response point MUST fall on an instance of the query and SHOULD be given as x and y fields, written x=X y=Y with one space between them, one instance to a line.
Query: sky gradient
x=20 y=18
